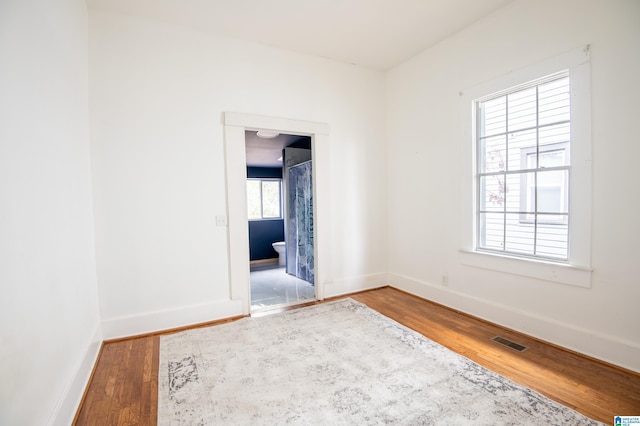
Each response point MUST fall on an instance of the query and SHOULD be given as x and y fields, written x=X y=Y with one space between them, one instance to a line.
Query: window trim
x=577 y=269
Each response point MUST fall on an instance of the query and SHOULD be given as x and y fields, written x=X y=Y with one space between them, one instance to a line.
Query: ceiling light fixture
x=267 y=134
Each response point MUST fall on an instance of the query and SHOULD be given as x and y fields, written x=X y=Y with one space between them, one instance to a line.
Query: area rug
x=337 y=363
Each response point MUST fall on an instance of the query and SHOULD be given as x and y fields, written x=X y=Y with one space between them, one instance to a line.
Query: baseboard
x=68 y=405
x=258 y=262
x=150 y=322
x=355 y=284
x=609 y=349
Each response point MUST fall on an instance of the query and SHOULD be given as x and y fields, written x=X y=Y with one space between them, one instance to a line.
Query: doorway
x=235 y=126
x=280 y=216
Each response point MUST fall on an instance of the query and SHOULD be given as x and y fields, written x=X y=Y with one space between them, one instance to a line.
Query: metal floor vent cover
x=508 y=343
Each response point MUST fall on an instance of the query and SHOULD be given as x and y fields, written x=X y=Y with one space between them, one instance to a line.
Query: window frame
x=529 y=219
x=576 y=270
x=280 y=196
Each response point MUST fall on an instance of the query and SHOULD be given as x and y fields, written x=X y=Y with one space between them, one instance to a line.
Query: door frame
x=235 y=124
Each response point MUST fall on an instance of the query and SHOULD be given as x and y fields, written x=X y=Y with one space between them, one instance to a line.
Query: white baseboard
x=150 y=322
x=68 y=405
x=353 y=285
x=610 y=349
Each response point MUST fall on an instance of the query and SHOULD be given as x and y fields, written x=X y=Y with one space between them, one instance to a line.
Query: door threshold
x=281 y=307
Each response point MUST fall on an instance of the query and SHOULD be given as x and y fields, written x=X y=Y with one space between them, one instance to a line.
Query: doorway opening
x=280 y=219
x=235 y=126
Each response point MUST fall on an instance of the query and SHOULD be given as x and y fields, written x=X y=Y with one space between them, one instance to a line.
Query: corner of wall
x=355 y=284
x=71 y=399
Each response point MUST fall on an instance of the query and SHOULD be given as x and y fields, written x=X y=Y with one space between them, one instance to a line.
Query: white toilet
x=279 y=246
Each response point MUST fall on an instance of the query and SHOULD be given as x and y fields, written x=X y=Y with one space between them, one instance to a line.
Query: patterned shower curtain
x=300 y=262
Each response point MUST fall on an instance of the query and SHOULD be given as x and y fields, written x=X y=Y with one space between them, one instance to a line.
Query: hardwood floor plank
x=148 y=361
x=124 y=386
x=153 y=397
x=145 y=404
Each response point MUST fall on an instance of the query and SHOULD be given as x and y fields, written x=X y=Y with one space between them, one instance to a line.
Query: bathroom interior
x=280 y=213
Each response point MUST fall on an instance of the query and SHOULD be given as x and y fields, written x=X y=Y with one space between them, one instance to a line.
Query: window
x=264 y=199
x=533 y=189
x=523 y=142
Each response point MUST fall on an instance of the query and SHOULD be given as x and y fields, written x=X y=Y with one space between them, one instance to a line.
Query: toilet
x=279 y=246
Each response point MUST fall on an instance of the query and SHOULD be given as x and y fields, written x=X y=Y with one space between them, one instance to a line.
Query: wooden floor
x=124 y=387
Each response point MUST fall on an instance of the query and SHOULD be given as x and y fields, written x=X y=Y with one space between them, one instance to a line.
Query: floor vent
x=508 y=343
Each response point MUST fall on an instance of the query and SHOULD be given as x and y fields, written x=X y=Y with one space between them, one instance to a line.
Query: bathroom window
x=264 y=199
x=523 y=140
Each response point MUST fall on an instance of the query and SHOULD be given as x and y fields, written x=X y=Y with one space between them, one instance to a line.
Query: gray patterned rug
x=337 y=363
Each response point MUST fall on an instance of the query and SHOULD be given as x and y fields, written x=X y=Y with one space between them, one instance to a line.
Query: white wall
x=49 y=322
x=424 y=168
x=157 y=94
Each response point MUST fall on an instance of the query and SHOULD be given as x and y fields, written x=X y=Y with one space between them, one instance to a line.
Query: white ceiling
x=265 y=152
x=377 y=34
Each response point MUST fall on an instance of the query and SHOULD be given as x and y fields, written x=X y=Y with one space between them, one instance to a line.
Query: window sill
x=548 y=271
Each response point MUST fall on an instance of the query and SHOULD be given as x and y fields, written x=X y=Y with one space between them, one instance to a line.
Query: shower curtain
x=300 y=260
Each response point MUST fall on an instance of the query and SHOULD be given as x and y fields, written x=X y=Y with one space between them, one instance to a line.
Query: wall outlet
x=444 y=280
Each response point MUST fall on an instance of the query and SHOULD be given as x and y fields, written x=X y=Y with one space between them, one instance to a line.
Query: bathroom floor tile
x=272 y=286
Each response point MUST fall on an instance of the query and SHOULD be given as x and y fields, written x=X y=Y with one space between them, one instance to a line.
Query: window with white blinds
x=523 y=150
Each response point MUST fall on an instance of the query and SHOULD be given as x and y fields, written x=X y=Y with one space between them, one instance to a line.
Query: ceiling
x=376 y=34
x=265 y=152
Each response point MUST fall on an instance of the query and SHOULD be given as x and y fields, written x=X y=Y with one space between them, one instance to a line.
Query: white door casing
x=235 y=125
